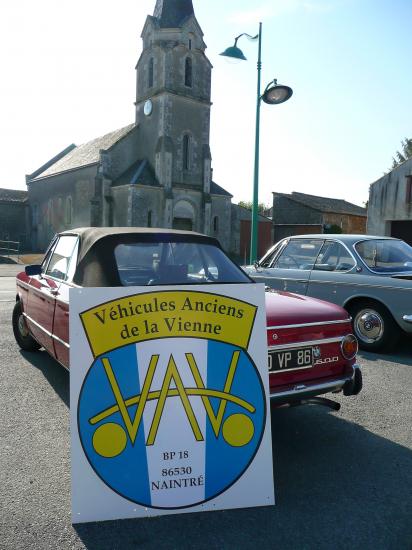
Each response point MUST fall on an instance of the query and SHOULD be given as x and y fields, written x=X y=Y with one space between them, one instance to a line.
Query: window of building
x=149 y=219
x=408 y=196
x=215 y=225
x=188 y=72
x=186 y=152
x=190 y=43
x=69 y=211
x=151 y=73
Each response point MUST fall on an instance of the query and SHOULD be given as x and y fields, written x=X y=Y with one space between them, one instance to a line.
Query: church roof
x=86 y=154
x=140 y=173
x=215 y=189
x=171 y=14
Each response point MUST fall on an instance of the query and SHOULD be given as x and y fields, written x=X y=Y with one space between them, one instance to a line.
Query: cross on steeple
x=171 y=13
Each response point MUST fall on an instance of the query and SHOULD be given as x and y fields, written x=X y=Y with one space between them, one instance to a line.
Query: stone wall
x=387 y=200
x=58 y=203
x=13 y=223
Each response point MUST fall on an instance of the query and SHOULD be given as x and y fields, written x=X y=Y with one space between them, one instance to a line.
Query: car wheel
x=21 y=332
x=374 y=326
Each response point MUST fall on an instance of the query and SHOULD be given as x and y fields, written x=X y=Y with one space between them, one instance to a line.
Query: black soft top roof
x=89 y=236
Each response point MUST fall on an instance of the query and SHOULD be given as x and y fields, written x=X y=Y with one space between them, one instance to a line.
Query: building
x=390 y=204
x=13 y=219
x=299 y=213
x=155 y=172
x=241 y=228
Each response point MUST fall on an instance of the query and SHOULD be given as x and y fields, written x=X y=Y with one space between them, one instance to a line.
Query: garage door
x=402 y=230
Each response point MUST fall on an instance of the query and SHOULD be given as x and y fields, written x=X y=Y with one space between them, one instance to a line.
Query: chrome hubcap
x=369 y=326
x=23 y=327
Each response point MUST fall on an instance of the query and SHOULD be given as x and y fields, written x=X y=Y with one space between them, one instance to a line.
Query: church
x=155 y=172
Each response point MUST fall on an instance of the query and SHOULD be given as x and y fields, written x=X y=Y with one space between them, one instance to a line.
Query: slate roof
x=141 y=172
x=171 y=14
x=12 y=195
x=215 y=189
x=325 y=204
x=86 y=154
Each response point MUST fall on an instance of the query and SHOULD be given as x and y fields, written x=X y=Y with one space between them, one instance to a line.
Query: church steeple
x=172 y=13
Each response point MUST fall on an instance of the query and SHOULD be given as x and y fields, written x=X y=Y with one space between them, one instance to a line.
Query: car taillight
x=349 y=346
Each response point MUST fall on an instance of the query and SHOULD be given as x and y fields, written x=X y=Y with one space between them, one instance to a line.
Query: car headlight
x=349 y=346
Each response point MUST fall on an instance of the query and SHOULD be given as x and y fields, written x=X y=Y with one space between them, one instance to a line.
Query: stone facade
x=157 y=171
x=291 y=212
x=390 y=204
x=13 y=218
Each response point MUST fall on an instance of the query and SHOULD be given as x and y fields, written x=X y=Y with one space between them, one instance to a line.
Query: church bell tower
x=173 y=110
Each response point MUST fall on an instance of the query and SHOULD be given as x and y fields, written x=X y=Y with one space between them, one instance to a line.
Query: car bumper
x=350 y=385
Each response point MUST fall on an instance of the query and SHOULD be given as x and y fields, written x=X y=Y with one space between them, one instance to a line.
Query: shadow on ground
x=402 y=354
x=337 y=485
x=7 y=260
x=56 y=375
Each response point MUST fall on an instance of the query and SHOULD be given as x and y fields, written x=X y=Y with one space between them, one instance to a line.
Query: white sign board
x=169 y=400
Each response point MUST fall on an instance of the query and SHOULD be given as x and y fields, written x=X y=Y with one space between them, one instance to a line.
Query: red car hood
x=284 y=308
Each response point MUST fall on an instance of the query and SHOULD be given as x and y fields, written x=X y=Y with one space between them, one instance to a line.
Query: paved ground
x=343 y=480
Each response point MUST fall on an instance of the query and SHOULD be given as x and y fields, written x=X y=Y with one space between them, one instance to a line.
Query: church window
x=188 y=72
x=186 y=152
x=149 y=219
x=190 y=43
x=151 y=73
x=215 y=225
x=35 y=217
x=68 y=210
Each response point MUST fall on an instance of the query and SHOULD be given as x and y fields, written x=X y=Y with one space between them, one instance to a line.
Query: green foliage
x=404 y=154
x=262 y=208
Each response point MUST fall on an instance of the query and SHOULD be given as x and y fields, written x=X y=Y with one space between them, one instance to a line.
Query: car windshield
x=162 y=263
x=386 y=256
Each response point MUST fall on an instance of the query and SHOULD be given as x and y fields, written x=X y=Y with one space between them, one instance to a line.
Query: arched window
x=151 y=70
x=69 y=211
x=186 y=152
x=188 y=72
x=215 y=225
x=149 y=219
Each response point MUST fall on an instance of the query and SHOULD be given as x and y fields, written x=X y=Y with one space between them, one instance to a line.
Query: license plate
x=292 y=359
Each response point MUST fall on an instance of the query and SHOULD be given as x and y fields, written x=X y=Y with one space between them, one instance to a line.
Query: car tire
x=21 y=332
x=374 y=326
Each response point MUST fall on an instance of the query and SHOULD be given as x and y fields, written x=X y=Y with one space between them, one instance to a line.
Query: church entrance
x=184 y=224
x=184 y=216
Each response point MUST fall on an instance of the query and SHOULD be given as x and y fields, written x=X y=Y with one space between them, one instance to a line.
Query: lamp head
x=234 y=53
x=277 y=94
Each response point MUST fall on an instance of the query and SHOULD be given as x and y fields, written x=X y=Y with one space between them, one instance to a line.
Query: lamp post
x=273 y=95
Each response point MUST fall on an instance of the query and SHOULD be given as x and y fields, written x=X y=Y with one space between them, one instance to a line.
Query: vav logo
x=169 y=421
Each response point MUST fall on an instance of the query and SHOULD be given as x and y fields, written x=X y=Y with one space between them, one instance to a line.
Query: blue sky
x=68 y=76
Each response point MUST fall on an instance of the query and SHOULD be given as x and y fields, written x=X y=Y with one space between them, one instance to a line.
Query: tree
x=403 y=155
x=262 y=208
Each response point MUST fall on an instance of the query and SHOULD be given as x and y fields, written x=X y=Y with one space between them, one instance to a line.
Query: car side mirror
x=358 y=269
x=31 y=270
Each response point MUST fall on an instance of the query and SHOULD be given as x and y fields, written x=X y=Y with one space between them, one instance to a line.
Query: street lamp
x=274 y=94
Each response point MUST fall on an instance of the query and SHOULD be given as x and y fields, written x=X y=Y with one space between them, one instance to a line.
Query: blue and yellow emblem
x=172 y=411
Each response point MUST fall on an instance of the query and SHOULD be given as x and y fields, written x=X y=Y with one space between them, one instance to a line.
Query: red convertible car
x=311 y=348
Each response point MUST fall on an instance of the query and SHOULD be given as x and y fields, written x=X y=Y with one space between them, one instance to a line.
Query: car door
x=44 y=290
x=333 y=274
x=61 y=314
x=40 y=304
x=290 y=270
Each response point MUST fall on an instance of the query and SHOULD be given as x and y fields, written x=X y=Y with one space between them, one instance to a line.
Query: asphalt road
x=343 y=479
